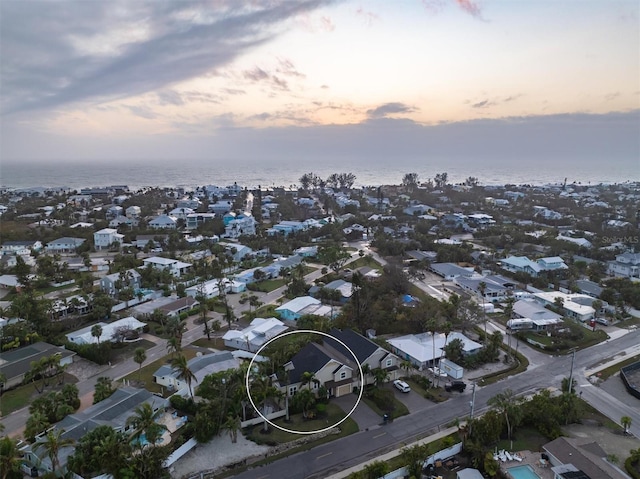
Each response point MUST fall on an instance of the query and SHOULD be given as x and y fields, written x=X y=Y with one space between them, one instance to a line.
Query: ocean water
x=251 y=173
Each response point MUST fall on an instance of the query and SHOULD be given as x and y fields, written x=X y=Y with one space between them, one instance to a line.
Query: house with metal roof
x=109 y=331
x=64 y=245
x=14 y=364
x=200 y=366
x=254 y=336
x=426 y=349
x=450 y=271
x=294 y=309
x=175 y=267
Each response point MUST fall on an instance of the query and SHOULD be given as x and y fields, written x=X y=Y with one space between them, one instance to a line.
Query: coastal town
x=321 y=330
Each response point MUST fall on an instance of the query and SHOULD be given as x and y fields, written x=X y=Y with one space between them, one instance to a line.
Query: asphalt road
x=545 y=371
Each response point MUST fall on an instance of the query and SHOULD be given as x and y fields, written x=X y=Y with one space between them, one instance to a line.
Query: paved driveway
x=414 y=401
x=363 y=415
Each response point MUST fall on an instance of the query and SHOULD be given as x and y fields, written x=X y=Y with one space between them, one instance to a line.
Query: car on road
x=459 y=386
x=438 y=372
x=401 y=386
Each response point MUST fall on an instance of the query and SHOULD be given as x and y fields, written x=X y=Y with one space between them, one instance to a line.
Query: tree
x=414 y=457
x=375 y=470
x=103 y=390
x=139 y=356
x=308 y=378
x=482 y=289
x=10 y=457
x=96 y=332
x=53 y=443
x=144 y=421
x=507 y=404
x=379 y=376
x=410 y=180
x=102 y=451
x=232 y=424
x=441 y=180
x=174 y=346
x=180 y=365
x=625 y=422
x=333 y=256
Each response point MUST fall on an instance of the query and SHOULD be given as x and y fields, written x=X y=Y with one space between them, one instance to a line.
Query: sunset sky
x=94 y=79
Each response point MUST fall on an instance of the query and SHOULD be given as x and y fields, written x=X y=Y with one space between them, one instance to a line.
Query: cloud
x=256 y=74
x=369 y=17
x=327 y=24
x=489 y=102
x=233 y=91
x=482 y=104
x=143 y=112
x=612 y=96
x=80 y=52
x=169 y=97
x=470 y=7
x=389 y=109
x=286 y=67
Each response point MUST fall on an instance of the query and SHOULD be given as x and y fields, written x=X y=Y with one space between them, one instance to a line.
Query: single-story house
x=180 y=305
x=294 y=309
x=16 y=363
x=419 y=348
x=496 y=288
x=254 y=336
x=8 y=281
x=576 y=306
x=113 y=411
x=578 y=458
x=200 y=366
x=109 y=330
x=450 y=271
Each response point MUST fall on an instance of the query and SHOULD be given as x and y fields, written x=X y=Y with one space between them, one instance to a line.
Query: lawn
x=145 y=376
x=298 y=423
x=611 y=370
x=16 y=398
x=563 y=345
x=399 y=409
x=269 y=285
x=21 y=396
x=215 y=343
x=524 y=439
x=124 y=351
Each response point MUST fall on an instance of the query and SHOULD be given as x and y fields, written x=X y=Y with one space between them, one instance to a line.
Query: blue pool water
x=143 y=440
x=522 y=472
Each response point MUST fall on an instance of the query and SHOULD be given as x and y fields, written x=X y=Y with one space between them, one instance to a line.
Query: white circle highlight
x=287 y=392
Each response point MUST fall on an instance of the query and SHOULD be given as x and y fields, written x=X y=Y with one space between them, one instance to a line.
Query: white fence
x=258 y=420
x=438 y=456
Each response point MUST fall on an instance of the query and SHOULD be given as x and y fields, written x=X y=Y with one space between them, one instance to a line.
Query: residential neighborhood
x=178 y=319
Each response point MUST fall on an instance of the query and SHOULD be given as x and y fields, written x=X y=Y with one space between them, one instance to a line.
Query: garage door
x=342 y=390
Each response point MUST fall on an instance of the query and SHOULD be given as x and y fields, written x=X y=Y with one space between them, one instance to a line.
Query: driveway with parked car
x=413 y=400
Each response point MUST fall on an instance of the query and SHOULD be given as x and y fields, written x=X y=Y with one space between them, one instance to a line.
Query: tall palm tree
x=482 y=289
x=53 y=443
x=625 y=421
x=446 y=329
x=181 y=366
x=144 y=421
x=174 y=346
x=96 y=332
x=308 y=378
x=139 y=356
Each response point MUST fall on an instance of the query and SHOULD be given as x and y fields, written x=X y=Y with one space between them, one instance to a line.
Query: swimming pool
x=522 y=472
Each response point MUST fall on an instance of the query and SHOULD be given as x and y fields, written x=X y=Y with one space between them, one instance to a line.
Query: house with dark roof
x=180 y=305
x=335 y=366
x=112 y=411
x=16 y=363
x=580 y=458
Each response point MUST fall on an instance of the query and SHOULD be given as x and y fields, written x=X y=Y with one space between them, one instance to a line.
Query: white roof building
x=84 y=336
x=253 y=337
x=419 y=348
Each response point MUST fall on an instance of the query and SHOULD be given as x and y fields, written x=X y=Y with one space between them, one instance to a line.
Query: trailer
x=451 y=368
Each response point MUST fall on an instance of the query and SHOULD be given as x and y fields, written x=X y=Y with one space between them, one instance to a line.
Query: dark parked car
x=459 y=386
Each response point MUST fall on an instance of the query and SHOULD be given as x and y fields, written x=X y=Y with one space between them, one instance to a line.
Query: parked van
x=401 y=386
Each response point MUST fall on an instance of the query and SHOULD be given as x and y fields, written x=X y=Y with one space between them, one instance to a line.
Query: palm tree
x=308 y=378
x=625 y=421
x=53 y=443
x=144 y=421
x=96 y=332
x=174 y=346
x=379 y=376
x=507 y=404
x=446 y=329
x=10 y=456
x=139 y=356
x=232 y=424
x=181 y=366
x=482 y=289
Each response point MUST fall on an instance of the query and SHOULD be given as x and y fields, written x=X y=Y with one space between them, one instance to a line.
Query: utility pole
x=573 y=357
x=472 y=404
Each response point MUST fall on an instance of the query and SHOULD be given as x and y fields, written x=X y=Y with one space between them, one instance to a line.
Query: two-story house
x=64 y=245
x=626 y=265
x=175 y=267
x=164 y=222
x=113 y=283
x=106 y=237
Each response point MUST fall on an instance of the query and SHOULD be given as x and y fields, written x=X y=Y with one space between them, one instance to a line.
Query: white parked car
x=437 y=372
x=402 y=386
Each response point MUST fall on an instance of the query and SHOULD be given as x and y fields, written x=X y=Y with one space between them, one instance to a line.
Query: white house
x=208 y=289
x=181 y=213
x=294 y=309
x=240 y=226
x=106 y=237
x=576 y=306
x=64 y=245
x=20 y=247
x=425 y=349
x=200 y=366
x=254 y=336
x=112 y=283
x=175 y=267
x=164 y=222
x=552 y=263
x=626 y=265
x=109 y=330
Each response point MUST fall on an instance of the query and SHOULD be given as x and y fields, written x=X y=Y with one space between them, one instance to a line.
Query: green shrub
x=632 y=468
x=183 y=316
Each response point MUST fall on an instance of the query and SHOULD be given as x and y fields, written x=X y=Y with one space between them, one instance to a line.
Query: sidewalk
x=394 y=453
